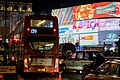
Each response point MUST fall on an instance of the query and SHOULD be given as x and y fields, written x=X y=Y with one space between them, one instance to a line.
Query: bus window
x=42 y=46
x=41 y=23
x=1 y=48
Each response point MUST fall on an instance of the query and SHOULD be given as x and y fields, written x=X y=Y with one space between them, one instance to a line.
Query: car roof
x=114 y=61
x=88 y=51
x=118 y=61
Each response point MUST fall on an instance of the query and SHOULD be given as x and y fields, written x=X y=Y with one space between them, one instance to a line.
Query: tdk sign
x=33 y=31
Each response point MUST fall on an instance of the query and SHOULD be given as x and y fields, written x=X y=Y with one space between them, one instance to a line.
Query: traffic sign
x=7 y=69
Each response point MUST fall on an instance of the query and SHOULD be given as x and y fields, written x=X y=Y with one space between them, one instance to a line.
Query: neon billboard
x=109 y=24
x=96 y=10
x=89 y=22
x=85 y=26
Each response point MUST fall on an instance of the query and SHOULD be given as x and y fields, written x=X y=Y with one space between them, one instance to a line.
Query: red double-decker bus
x=34 y=43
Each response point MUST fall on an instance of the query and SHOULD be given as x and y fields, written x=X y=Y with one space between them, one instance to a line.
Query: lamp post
x=4 y=35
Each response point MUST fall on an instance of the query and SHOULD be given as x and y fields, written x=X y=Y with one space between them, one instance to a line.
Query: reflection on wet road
x=66 y=76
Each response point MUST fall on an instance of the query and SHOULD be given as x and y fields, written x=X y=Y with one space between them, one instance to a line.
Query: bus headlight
x=26 y=63
x=60 y=62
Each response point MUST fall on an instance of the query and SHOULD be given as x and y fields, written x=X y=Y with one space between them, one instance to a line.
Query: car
x=78 y=59
x=95 y=64
x=100 y=58
x=110 y=70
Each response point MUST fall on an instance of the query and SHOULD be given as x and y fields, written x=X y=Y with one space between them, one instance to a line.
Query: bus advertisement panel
x=35 y=43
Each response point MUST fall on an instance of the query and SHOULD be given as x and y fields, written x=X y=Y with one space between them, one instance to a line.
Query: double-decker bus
x=34 y=42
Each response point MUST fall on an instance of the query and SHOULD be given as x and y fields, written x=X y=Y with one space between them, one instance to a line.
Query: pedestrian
x=69 y=48
x=77 y=45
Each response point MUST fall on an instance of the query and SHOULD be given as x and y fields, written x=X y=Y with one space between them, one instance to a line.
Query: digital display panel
x=88 y=11
x=64 y=16
x=90 y=20
x=67 y=29
x=42 y=30
x=108 y=36
x=83 y=12
x=75 y=37
x=89 y=39
x=109 y=24
x=85 y=26
x=96 y=10
x=105 y=9
x=63 y=38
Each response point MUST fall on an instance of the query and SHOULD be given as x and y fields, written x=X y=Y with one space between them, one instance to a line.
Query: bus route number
x=33 y=31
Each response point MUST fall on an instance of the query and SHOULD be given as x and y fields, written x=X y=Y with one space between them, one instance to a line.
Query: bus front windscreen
x=42 y=43
x=42 y=46
x=41 y=23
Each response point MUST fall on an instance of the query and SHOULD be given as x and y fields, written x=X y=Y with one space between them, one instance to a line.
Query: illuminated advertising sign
x=88 y=11
x=67 y=29
x=108 y=36
x=88 y=20
x=83 y=12
x=85 y=26
x=64 y=16
x=118 y=9
x=109 y=24
x=75 y=37
x=105 y=9
x=96 y=10
x=64 y=39
x=89 y=39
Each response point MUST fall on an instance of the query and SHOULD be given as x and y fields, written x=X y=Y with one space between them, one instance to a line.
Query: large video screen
x=85 y=26
x=89 y=39
x=109 y=24
x=96 y=10
x=108 y=36
x=64 y=16
x=90 y=24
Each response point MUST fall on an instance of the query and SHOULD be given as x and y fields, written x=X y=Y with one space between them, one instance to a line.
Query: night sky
x=48 y=5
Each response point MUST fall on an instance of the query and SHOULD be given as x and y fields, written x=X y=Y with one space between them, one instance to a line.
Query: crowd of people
x=71 y=47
